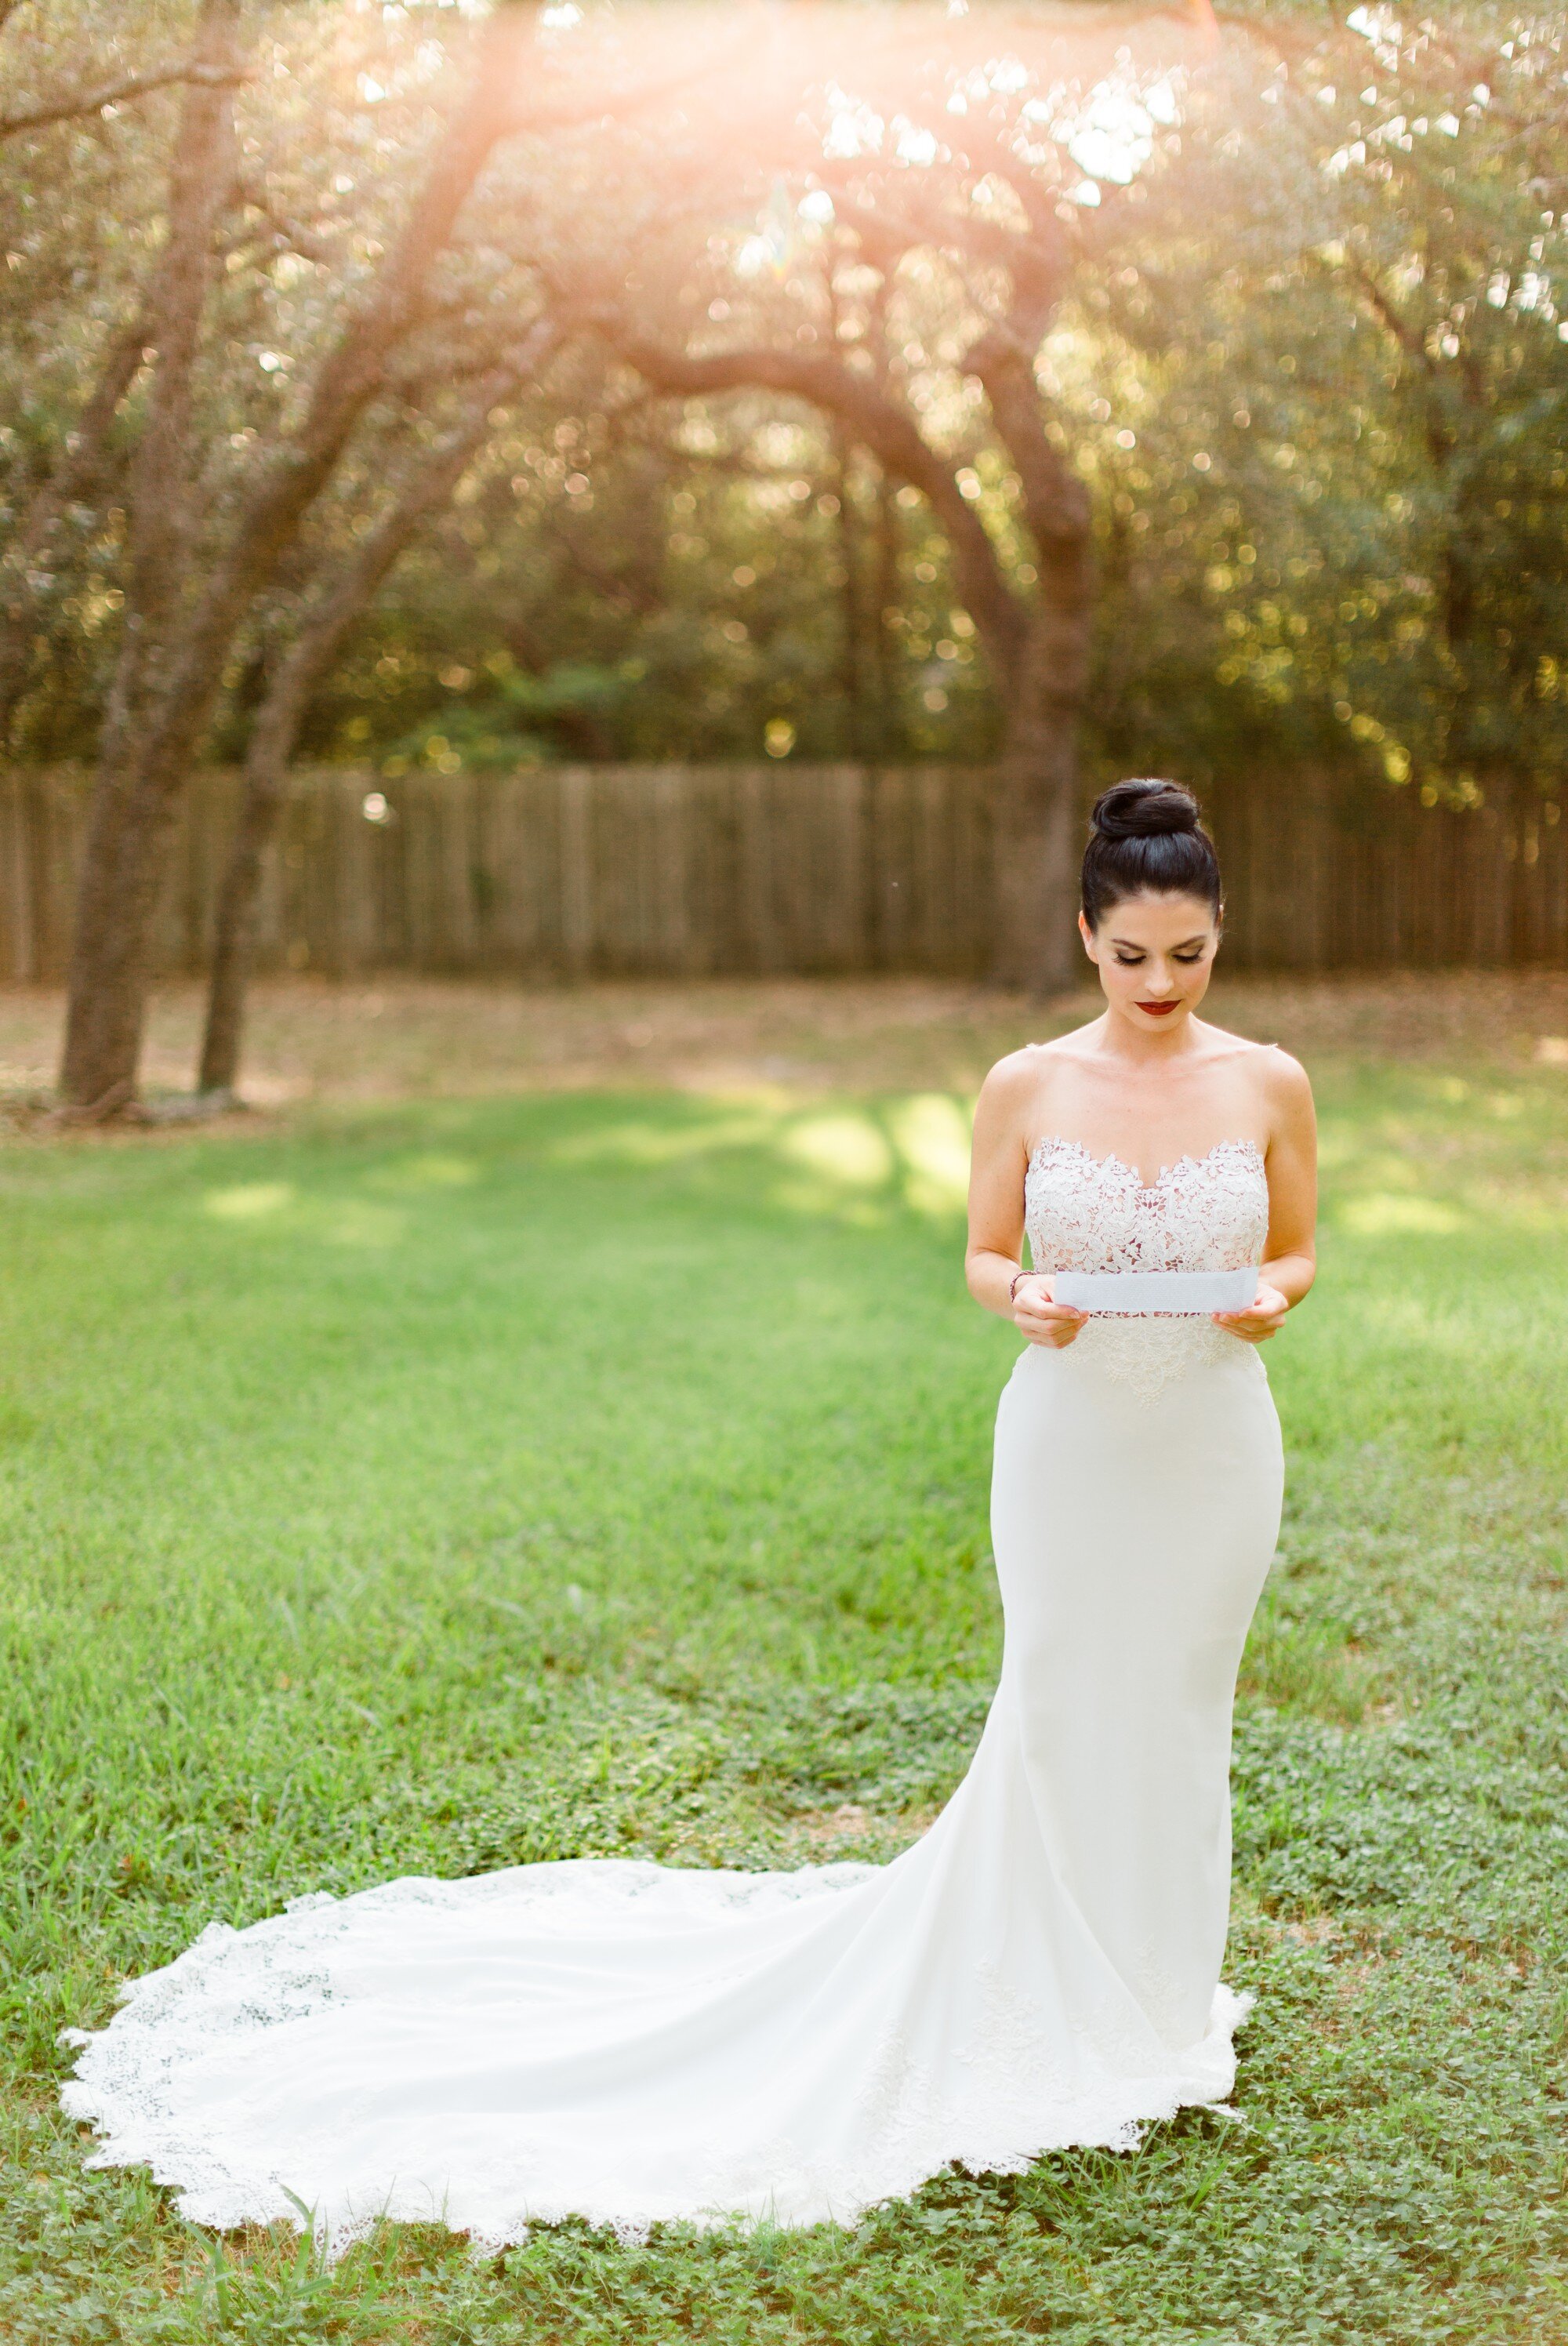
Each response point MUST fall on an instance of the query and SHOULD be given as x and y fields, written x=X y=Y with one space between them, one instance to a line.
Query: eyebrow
x=1132 y=947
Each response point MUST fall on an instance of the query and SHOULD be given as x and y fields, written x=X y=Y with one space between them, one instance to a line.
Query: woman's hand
x=1263 y=1318
x=1044 y=1322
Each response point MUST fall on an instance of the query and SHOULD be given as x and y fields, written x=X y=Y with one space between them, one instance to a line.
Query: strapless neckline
x=1110 y=1161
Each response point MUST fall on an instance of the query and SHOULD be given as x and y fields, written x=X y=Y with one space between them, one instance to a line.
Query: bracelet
x=1013 y=1284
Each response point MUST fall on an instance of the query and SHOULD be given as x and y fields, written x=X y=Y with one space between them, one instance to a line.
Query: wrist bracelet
x=1013 y=1284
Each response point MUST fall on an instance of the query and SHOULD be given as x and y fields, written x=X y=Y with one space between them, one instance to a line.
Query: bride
x=633 y=2042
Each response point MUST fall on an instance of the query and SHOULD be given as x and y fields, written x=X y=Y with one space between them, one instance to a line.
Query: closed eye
x=1136 y=961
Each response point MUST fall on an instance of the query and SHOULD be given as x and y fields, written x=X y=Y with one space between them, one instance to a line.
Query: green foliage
x=1311 y=365
x=366 y=1510
x=1344 y=513
x=506 y=721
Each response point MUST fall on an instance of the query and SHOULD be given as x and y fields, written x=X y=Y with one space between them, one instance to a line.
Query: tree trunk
x=890 y=713
x=849 y=665
x=1038 y=950
x=238 y=898
x=1036 y=947
x=1039 y=799
x=116 y=902
x=278 y=719
x=131 y=809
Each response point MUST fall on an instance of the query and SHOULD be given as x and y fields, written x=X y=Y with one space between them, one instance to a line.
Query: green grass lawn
x=431 y=1488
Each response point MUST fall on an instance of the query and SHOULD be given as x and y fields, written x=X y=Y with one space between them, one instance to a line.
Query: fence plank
x=21 y=961
x=576 y=869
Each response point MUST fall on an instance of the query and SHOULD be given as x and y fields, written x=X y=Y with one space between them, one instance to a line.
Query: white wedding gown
x=634 y=2042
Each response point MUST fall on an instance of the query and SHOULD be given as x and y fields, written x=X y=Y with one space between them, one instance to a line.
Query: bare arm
x=1291 y=1262
x=998 y=1162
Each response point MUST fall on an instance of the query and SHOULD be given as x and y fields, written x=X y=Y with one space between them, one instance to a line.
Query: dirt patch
x=818 y=1836
x=399 y=1036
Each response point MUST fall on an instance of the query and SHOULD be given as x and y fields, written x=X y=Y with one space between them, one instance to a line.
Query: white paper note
x=1187 y=1292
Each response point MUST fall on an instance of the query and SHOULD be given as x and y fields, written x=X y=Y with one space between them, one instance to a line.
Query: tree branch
x=114 y=93
x=292 y=234
x=1412 y=341
x=890 y=433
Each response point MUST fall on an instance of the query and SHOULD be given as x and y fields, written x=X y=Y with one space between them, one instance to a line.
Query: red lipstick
x=1157 y=1009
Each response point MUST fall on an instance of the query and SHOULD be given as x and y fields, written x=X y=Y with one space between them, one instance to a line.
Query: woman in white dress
x=634 y=2042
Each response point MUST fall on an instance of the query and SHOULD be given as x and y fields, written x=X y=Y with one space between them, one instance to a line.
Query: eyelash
x=1136 y=961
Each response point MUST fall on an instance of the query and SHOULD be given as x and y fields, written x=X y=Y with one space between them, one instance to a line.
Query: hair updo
x=1146 y=837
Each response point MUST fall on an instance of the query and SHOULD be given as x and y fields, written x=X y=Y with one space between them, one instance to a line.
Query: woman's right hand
x=1035 y=1316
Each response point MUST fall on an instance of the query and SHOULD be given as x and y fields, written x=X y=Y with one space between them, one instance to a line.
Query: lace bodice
x=1084 y=1212
x=1093 y=1213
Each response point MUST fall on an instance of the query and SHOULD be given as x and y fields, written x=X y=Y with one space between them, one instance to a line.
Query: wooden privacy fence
x=686 y=870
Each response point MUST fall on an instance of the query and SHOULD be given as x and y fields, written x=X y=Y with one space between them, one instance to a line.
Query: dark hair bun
x=1144 y=811
x=1147 y=838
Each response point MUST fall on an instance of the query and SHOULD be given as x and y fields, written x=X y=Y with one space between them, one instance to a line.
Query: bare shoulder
x=1282 y=1078
x=1012 y=1074
x=1021 y=1071
x=1278 y=1082
x=1287 y=1093
x=1286 y=1082
x=1009 y=1091
x=1017 y=1090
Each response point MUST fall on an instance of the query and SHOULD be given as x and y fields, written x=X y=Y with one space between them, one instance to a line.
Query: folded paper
x=1136 y=1291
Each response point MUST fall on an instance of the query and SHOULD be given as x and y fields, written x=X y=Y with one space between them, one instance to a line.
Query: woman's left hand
x=1263 y=1318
